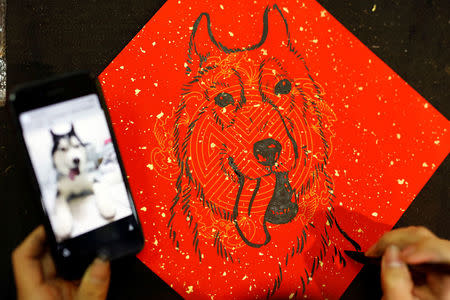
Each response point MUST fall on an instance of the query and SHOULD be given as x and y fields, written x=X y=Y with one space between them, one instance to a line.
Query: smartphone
x=76 y=169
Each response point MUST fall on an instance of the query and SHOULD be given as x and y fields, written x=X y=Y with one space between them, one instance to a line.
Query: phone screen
x=77 y=169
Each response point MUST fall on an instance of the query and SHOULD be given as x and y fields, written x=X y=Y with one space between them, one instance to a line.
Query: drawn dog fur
x=252 y=139
x=69 y=158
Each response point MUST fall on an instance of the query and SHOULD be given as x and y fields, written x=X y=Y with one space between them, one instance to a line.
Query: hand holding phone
x=77 y=171
x=35 y=273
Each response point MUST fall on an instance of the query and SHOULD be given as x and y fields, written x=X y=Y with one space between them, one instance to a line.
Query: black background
x=50 y=37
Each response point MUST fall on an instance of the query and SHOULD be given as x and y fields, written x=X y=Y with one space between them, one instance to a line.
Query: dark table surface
x=48 y=37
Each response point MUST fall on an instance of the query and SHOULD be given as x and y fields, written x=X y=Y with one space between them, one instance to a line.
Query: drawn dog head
x=68 y=153
x=252 y=138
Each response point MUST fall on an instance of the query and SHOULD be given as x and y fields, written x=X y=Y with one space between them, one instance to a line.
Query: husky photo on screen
x=76 y=166
x=74 y=180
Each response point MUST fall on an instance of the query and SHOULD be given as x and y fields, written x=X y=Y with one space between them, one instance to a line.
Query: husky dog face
x=68 y=153
x=252 y=139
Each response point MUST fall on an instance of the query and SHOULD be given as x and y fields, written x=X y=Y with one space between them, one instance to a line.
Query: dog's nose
x=267 y=151
x=76 y=161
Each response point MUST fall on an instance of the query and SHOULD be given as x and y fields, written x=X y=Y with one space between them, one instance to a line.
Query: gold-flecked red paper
x=261 y=140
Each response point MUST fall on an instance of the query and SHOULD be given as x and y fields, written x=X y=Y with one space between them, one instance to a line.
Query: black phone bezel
x=112 y=240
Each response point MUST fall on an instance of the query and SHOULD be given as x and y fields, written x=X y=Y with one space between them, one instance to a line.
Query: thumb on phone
x=95 y=282
x=395 y=277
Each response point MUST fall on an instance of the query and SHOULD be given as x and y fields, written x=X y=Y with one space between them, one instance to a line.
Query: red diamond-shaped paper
x=262 y=140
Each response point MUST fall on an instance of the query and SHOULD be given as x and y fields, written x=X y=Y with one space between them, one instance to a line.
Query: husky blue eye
x=283 y=87
x=223 y=99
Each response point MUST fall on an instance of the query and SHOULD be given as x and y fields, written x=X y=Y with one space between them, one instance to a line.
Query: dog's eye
x=63 y=149
x=283 y=87
x=223 y=99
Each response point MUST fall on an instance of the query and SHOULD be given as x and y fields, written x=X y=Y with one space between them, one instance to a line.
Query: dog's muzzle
x=281 y=209
x=267 y=151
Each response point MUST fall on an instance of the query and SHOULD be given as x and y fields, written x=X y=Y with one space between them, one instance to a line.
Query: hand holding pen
x=412 y=246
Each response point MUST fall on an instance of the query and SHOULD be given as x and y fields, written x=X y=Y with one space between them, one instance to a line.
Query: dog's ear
x=277 y=30
x=202 y=43
x=54 y=136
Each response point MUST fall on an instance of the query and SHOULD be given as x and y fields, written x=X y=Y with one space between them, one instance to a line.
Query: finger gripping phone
x=77 y=171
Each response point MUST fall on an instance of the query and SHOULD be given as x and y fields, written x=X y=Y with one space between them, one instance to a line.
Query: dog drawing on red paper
x=252 y=139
